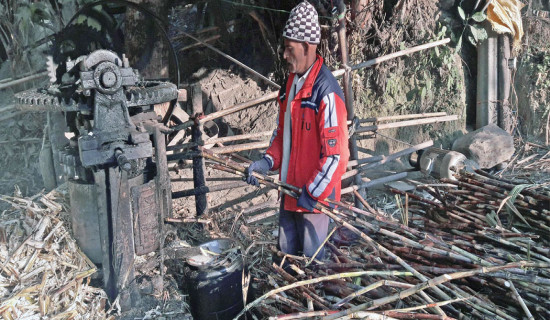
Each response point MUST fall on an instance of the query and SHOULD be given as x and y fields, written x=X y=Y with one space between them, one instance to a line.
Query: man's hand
x=306 y=201
x=261 y=166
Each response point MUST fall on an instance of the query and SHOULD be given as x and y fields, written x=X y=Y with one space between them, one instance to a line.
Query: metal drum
x=214 y=280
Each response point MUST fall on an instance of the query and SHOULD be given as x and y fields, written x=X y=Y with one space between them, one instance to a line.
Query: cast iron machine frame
x=109 y=145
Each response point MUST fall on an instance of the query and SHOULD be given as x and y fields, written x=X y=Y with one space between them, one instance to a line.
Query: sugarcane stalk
x=411 y=315
x=336 y=212
x=310 y=293
x=366 y=289
x=432 y=283
x=508 y=185
x=531 y=279
x=508 y=243
x=337 y=252
x=520 y=300
x=354 y=265
x=307 y=282
x=439 y=304
x=289 y=302
x=419 y=198
x=325 y=242
x=301 y=315
x=477 y=223
x=479 y=304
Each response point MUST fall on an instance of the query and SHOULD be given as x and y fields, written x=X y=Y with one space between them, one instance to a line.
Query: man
x=310 y=144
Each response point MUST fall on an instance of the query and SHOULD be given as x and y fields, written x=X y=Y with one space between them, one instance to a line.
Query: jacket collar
x=305 y=92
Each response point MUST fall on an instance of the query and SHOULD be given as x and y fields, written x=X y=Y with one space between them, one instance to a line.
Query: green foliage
x=539 y=66
x=472 y=30
x=434 y=74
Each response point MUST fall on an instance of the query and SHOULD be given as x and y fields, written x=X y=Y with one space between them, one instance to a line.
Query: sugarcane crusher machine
x=108 y=144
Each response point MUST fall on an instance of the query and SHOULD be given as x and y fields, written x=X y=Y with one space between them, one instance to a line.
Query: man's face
x=295 y=56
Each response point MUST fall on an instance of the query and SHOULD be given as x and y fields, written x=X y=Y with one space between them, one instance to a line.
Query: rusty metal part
x=115 y=162
x=142 y=93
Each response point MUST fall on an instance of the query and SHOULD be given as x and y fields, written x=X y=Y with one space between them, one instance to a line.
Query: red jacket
x=319 y=146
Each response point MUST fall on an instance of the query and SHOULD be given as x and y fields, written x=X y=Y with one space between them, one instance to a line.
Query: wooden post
x=504 y=80
x=487 y=79
x=348 y=92
x=199 y=182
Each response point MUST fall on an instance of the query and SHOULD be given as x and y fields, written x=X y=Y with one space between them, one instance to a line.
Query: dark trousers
x=302 y=232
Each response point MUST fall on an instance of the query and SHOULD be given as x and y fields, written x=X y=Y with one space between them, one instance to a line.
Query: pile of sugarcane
x=438 y=262
x=479 y=200
x=43 y=273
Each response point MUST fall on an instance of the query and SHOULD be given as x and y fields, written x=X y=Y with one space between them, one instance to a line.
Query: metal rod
x=406 y=123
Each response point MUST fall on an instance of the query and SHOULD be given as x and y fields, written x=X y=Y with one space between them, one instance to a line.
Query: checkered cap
x=303 y=24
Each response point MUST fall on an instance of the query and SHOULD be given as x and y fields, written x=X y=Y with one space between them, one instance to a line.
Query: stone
x=487 y=146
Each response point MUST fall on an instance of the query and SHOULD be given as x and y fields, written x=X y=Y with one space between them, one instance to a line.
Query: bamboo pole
x=408 y=123
x=404 y=117
x=375 y=182
x=399 y=154
x=23 y=80
x=241 y=147
x=385 y=159
x=375 y=61
x=353 y=163
x=252 y=103
x=221 y=140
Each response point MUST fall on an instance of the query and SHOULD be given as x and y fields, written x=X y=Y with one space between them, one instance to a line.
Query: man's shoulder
x=326 y=82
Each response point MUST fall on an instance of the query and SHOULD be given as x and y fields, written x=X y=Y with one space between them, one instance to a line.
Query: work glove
x=306 y=201
x=261 y=166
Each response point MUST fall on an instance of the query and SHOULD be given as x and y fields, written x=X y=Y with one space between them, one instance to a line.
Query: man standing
x=310 y=144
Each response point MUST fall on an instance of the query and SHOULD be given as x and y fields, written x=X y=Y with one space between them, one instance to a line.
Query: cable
x=264 y=8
